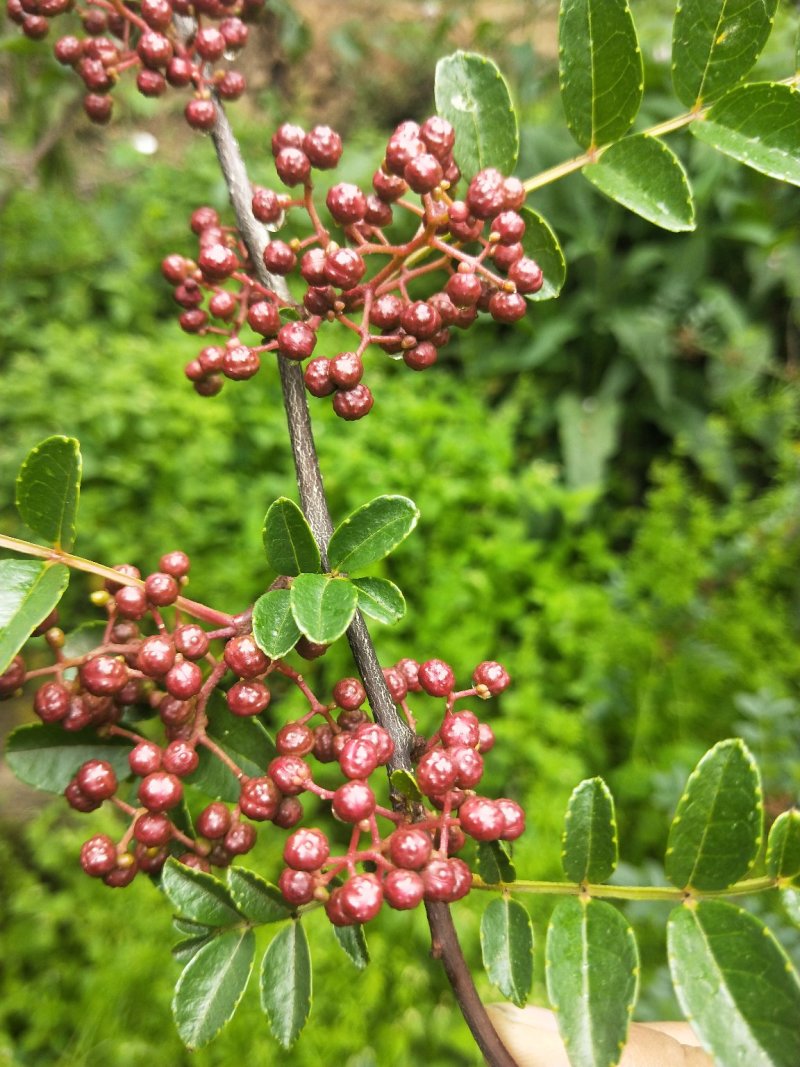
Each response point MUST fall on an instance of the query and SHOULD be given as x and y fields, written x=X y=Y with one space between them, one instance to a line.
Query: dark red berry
x=98 y=855
x=436 y=772
x=411 y=847
x=179 y=71
x=160 y=791
x=259 y=798
x=244 y=657
x=486 y=195
x=306 y=850
x=481 y=818
x=323 y=146
x=293 y=166
x=439 y=879
x=423 y=173
x=507 y=307
x=266 y=205
x=151 y=83
x=388 y=187
x=396 y=683
x=410 y=671
x=403 y=889
x=240 y=362
x=317 y=377
x=200 y=114
x=361 y=897
x=78 y=800
x=493 y=676
x=154 y=49
x=51 y=702
x=353 y=801
x=222 y=305
x=287 y=135
x=352 y=404
x=421 y=356
x=13 y=677
x=346 y=370
x=161 y=589
x=296 y=340
x=378 y=738
x=323 y=743
x=145 y=758
x=123 y=874
x=191 y=640
x=98 y=108
x=385 y=312
x=436 y=677
x=463 y=289
x=279 y=258
x=289 y=813
x=294 y=739
x=103 y=675
x=439 y=136
x=349 y=694
x=153 y=830
x=344 y=268
x=469 y=763
x=96 y=779
x=210 y=43
x=527 y=275
x=291 y=774
x=156 y=655
x=333 y=909
x=240 y=838
x=312 y=266
x=420 y=319
x=358 y=758
x=461 y=728
x=180 y=758
x=514 y=818
x=214 y=820
x=346 y=203
x=263 y=318
x=248 y=698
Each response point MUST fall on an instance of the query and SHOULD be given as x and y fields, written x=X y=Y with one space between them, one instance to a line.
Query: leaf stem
x=626 y=892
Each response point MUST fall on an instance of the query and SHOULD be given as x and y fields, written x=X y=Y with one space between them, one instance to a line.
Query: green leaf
x=494 y=862
x=790 y=898
x=192 y=929
x=380 y=599
x=588 y=428
x=323 y=607
x=211 y=986
x=187 y=949
x=645 y=176
x=507 y=948
x=288 y=540
x=783 y=846
x=256 y=898
x=472 y=95
x=717 y=829
x=758 y=125
x=244 y=739
x=541 y=245
x=47 y=757
x=198 y=896
x=715 y=43
x=274 y=628
x=48 y=485
x=600 y=69
x=29 y=590
x=404 y=783
x=735 y=983
x=371 y=532
x=589 y=850
x=286 y=984
x=82 y=640
x=354 y=943
x=592 y=979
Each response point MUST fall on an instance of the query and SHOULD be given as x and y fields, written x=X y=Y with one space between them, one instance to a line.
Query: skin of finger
x=682 y=1032
x=530 y=1036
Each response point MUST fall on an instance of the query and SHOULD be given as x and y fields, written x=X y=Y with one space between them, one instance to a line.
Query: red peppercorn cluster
x=144 y=36
x=165 y=680
x=357 y=274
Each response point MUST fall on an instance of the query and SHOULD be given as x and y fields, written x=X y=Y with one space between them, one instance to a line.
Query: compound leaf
x=494 y=863
x=715 y=43
x=646 y=177
x=541 y=245
x=256 y=898
x=46 y=757
x=354 y=944
x=372 y=532
x=589 y=850
x=323 y=607
x=274 y=627
x=380 y=599
x=783 y=846
x=735 y=983
x=29 y=590
x=758 y=125
x=211 y=986
x=600 y=69
x=592 y=979
x=288 y=540
x=507 y=948
x=198 y=896
x=48 y=485
x=717 y=829
x=472 y=95
x=286 y=983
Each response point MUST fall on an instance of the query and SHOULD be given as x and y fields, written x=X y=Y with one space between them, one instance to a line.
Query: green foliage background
x=609 y=497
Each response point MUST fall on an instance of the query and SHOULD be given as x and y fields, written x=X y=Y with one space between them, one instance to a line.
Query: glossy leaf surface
x=29 y=590
x=371 y=533
x=541 y=245
x=286 y=983
x=783 y=846
x=48 y=486
x=257 y=899
x=380 y=599
x=288 y=540
x=507 y=947
x=211 y=986
x=323 y=607
x=198 y=896
x=47 y=756
x=274 y=627
x=353 y=943
x=589 y=844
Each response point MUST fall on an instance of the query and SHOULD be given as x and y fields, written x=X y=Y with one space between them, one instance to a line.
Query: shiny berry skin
x=191 y=640
x=346 y=203
x=98 y=856
x=527 y=275
x=312 y=266
x=323 y=146
x=214 y=820
x=353 y=801
x=287 y=135
x=403 y=889
x=184 y=679
x=156 y=13
x=160 y=791
x=244 y=657
x=294 y=739
x=67 y=50
x=210 y=43
x=297 y=887
x=289 y=813
x=385 y=312
x=279 y=258
x=122 y=875
x=13 y=677
x=145 y=758
x=153 y=830
x=358 y=758
x=240 y=839
x=388 y=187
x=438 y=135
x=514 y=818
x=439 y=879
x=296 y=340
x=361 y=897
x=420 y=319
x=156 y=655
x=217 y=262
x=317 y=377
x=378 y=738
x=486 y=738
x=78 y=800
x=97 y=780
x=486 y=195
x=306 y=850
x=263 y=318
x=463 y=289
x=404 y=144
x=222 y=305
x=179 y=71
x=353 y=404
x=293 y=166
x=290 y=774
x=491 y=675
x=463 y=879
x=461 y=728
x=333 y=909
x=470 y=766
x=240 y=363
x=346 y=370
x=482 y=819
x=259 y=798
x=436 y=677
x=509 y=227
x=200 y=114
x=248 y=698
x=436 y=772
x=410 y=671
x=154 y=49
x=349 y=694
x=507 y=307
x=344 y=268
x=151 y=83
x=410 y=847
x=379 y=213
x=423 y=173
x=51 y=702
x=323 y=744
x=161 y=589
x=175 y=713
x=266 y=205
x=396 y=684
x=180 y=758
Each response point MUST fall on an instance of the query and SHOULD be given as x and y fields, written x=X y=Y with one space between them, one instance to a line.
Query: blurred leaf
x=371 y=532
x=256 y=898
x=589 y=845
x=274 y=628
x=592 y=979
x=29 y=590
x=645 y=176
x=354 y=943
x=244 y=739
x=507 y=948
x=790 y=898
x=47 y=757
x=735 y=983
x=288 y=540
x=286 y=984
x=783 y=846
x=717 y=829
x=715 y=43
x=759 y=125
x=589 y=431
x=198 y=896
x=48 y=486
x=323 y=607
x=472 y=95
x=211 y=986
x=380 y=599
x=494 y=862
x=645 y=336
x=541 y=245
x=600 y=69
x=404 y=783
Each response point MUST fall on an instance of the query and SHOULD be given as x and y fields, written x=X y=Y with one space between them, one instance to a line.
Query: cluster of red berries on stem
x=359 y=276
x=152 y=693
x=146 y=37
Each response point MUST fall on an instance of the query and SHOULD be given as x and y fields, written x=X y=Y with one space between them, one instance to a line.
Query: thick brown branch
x=315 y=506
